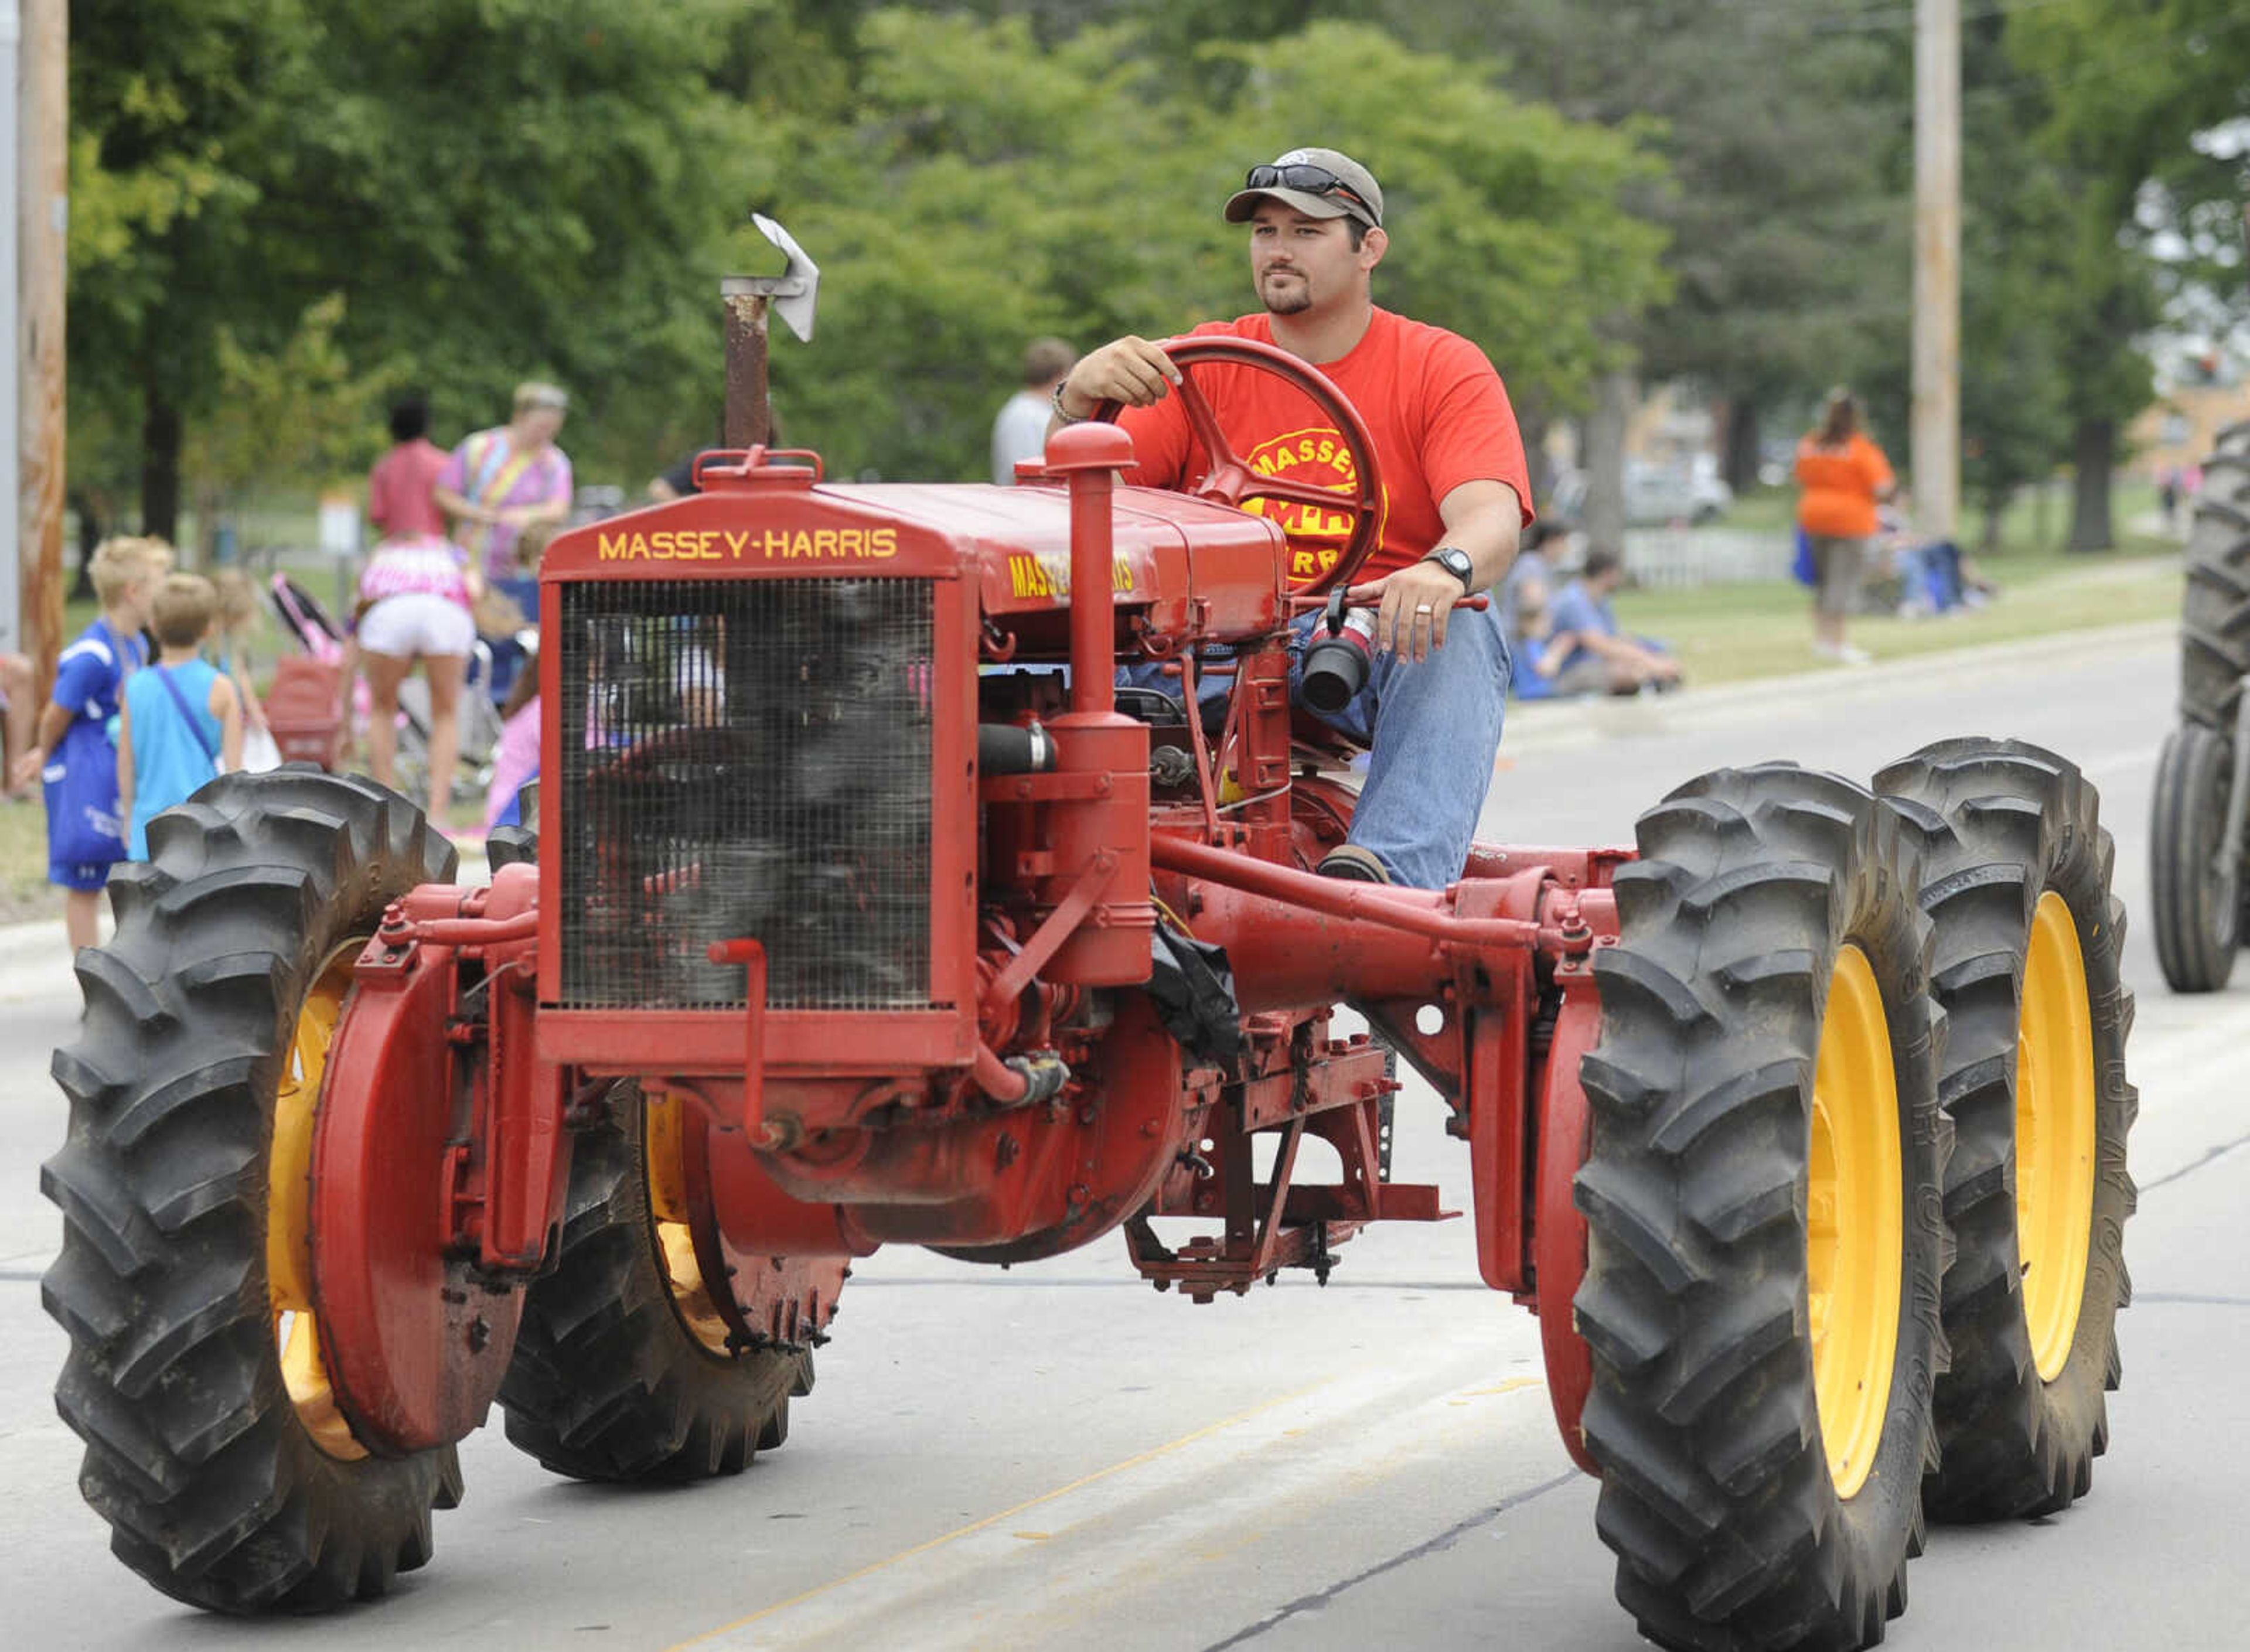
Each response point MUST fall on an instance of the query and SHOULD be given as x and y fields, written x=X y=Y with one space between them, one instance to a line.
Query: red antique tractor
x=848 y=922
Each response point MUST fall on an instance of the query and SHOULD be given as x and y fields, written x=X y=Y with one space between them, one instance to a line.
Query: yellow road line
x=1149 y=1455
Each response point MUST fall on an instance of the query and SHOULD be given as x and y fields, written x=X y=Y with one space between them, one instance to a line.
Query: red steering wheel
x=1230 y=481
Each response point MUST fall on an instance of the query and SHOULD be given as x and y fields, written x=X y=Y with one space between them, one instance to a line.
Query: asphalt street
x=1059 y=1457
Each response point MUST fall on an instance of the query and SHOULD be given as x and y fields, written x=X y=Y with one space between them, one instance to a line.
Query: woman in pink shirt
x=402 y=489
x=415 y=600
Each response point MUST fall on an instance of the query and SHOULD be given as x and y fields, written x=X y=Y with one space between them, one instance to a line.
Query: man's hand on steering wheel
x=1412 y=606
x=1130 y=370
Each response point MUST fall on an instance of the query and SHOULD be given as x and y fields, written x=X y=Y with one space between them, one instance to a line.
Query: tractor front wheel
x=2028 y=946
x=624 y=1369
x=215 y=1444
x=1765 y=1241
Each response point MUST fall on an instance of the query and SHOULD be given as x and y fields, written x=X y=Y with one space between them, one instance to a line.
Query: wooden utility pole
x=1937 y=435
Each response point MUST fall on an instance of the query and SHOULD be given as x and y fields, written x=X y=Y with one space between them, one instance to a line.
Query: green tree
x=497 y=187
x=2131 y=82
x=1777 y=124
x=991 y=186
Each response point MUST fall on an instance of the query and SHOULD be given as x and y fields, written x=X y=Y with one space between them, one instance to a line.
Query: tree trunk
x=1738 y=458
x=1604 y=462
x=2096 y=453
x=159 y=468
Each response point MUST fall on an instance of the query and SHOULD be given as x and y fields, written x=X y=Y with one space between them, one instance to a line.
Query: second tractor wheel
x=623 y=1368
x=1765 y=1244
x=2215 y=606
x=2016 y=870
x=2196 y=898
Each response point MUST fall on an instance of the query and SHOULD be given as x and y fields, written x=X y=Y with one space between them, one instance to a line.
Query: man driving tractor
x=1455 y=496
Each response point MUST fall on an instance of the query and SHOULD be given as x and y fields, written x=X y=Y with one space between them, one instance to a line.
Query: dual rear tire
x=1765 y=1247
x=1855 y=1187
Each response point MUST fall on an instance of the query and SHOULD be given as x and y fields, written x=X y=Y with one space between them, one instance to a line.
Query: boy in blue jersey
x=73 y=753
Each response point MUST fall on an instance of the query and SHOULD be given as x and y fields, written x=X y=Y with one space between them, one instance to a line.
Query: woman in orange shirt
x=1843 y=475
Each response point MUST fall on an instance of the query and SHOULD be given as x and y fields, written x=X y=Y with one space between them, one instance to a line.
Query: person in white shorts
x=415 y=601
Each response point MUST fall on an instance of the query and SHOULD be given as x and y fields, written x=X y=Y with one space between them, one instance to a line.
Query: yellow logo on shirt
x=1318 y=457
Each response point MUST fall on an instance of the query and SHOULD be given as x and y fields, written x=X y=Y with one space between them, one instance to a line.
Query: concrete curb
x=1586 y=722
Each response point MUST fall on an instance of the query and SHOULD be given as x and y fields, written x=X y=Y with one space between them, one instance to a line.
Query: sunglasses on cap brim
x=1311 y=180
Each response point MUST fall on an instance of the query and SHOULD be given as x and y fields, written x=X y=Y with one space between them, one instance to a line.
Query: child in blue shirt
x=73 y=753
x=183 y=720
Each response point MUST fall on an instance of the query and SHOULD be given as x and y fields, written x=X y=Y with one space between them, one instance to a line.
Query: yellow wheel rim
x=1855 y=1230
x=2055 y=1134
x=288 y=1226
x=665 y=1123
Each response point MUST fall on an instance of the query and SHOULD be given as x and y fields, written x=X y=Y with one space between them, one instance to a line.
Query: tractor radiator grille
x=745 y=758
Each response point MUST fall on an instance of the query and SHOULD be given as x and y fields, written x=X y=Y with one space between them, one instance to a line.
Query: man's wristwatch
x=1456 y=563
x=1062 y=412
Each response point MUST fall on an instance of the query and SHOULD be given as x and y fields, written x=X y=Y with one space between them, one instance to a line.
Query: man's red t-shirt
x=1438 y=412
x=402 y=489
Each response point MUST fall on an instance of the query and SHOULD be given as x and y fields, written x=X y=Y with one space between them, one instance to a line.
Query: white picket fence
x=1675 y=557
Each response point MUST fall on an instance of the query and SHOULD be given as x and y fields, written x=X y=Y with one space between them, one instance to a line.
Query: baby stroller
x=326 y=646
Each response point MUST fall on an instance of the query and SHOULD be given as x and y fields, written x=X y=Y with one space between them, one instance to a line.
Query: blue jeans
x=1432 y=730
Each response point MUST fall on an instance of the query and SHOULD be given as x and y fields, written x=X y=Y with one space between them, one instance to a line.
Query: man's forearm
x=1489 y=528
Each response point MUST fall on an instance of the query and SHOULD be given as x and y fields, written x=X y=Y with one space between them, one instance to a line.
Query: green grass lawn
x=2028 y=527
x=1726 y=633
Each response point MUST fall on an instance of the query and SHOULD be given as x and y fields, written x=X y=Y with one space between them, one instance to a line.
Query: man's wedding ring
x=1421 y=608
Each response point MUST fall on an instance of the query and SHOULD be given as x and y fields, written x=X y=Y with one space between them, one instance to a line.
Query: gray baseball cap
x=1320 y=183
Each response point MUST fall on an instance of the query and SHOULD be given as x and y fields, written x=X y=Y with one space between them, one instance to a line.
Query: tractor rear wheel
x=624 y=1369
x=1764 y=1244
x=2197 y=903
x=2215 y=608
x=214 y=1444
x=2016 y=870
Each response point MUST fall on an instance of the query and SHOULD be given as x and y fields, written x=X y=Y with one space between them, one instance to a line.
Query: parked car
x=1655 y=495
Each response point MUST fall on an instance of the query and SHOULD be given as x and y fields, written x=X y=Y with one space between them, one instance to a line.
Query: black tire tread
x=1716 y=1496
x=2215 y=606
x=212 y=1489
x=606 y=1383
x=2198 y=932
x=2003 y=822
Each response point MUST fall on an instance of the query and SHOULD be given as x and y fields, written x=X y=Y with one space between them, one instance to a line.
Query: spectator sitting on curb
x=1601 y=657
x=1536 y=654
x=1532 y=573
